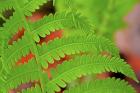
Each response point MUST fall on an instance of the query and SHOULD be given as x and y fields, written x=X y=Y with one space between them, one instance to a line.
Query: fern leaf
x=110 y=85
x=32 y=5
x=28 y=6
x=24 y=46
x=100 y=13
x=85 y=65
x=58 y=21
x=14 y=52
x=54 y=50
x=37 y=89
x=14 y=23
x=5 y=4
x=72 y=45
x=23 y=74
x=11 y=27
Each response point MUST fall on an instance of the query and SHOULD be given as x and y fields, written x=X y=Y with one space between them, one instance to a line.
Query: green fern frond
x=85 y=65
x=16 y=22
x=100 y=12
x=35 y=89
x=14 y=52
x=110 y=85
x=32 y=5
x=22 y=47
x=5 y=4
x=59 y=21
x=58 y=48
x=10 y=28
x=28 y=6
x=11 y=75
x=23 y=74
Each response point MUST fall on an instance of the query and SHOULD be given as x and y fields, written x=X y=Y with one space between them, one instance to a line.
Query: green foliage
x=85 y=43
x=106 y=15
x=109 y=85
x=37 y=89
x=85 y=65
x=58 y=21
x=22 y=74
x=58 y=48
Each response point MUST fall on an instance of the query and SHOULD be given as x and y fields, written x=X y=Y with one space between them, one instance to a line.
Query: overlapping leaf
x=85 y=65
x=24 y=74
x=110 y=85
x=59 y=21
x=58 y=48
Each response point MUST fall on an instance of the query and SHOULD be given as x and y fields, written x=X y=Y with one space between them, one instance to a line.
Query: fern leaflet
x=23 y=74
x=85 y=65
x=110 y=85
x=72 y=45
